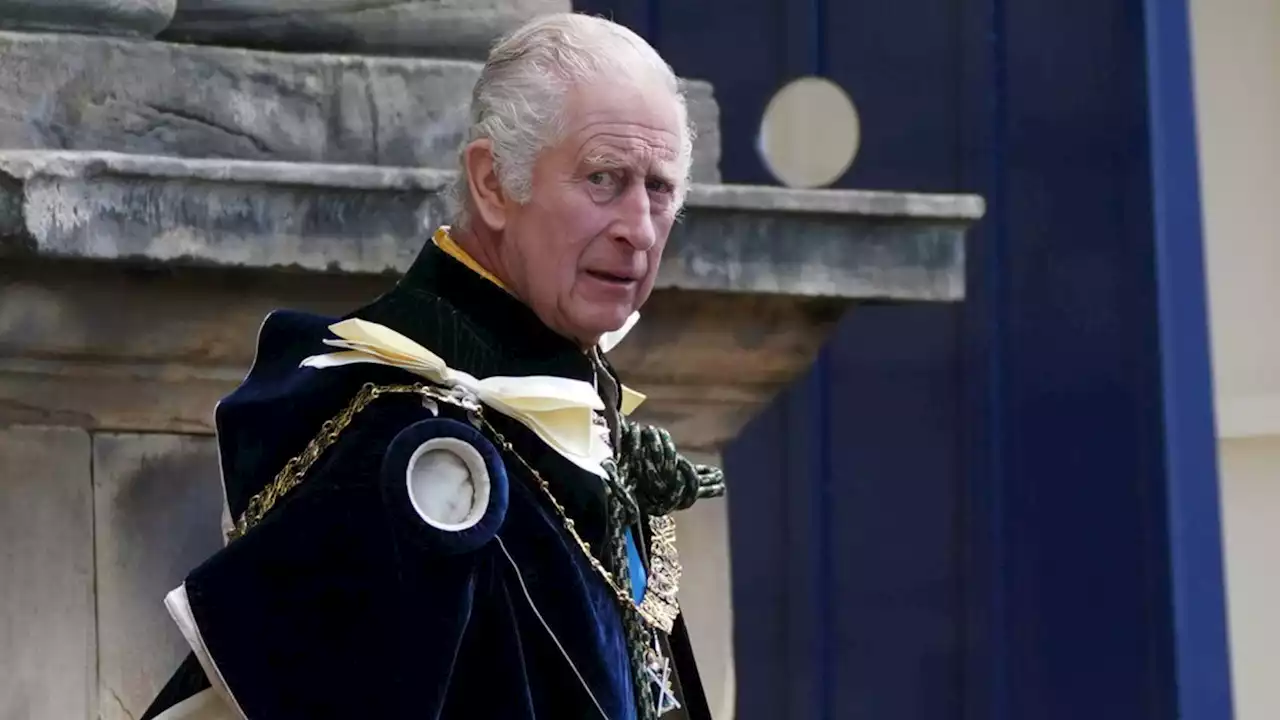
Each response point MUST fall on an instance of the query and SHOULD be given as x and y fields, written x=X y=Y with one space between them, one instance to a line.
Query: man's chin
x=600 y=324
x=616 y=320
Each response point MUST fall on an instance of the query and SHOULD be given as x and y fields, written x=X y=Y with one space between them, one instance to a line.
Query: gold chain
x=294 y=470
x=659 y=607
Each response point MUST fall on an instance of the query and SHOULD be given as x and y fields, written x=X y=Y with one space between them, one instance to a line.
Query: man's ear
x=487 y=198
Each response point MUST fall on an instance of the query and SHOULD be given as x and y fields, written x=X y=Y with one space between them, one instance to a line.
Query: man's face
x=584 y=251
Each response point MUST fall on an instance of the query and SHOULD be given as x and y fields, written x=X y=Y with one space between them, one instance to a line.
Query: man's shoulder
x=438 y=324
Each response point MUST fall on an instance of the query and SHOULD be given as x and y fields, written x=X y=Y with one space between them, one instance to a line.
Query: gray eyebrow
x=613 y=160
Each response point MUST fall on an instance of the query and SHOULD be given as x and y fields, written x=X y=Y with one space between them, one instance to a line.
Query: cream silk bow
x=559 y=410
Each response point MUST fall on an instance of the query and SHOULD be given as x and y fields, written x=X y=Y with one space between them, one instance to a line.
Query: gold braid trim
x=659 y=607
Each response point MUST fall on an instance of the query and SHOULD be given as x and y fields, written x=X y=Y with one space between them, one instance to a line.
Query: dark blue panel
x=1202 y=669
x=1071 y=575
x=899 y=62
x=774 y=622
x=892 y=489
x=1086 y=607
x=847 y=596
x=986 y=314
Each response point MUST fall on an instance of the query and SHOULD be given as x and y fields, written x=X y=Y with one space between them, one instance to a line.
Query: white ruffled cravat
x=559 y=410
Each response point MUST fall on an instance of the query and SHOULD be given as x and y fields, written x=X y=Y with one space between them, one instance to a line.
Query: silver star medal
x=658 y=668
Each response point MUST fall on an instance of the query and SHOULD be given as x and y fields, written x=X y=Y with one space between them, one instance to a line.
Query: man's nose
x=634 y=224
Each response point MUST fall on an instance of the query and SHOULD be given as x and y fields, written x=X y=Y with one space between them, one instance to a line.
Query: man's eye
x=659 y=186
x=599 y=178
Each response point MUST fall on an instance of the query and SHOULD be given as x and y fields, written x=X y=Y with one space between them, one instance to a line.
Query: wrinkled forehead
x=640 y=125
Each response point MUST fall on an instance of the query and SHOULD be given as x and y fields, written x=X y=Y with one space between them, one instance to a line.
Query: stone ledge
x=132 y=18
x=372 y=220
x=917 y=206
x=79 y=92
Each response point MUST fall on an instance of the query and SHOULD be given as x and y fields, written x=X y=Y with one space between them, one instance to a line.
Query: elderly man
x=436 y=506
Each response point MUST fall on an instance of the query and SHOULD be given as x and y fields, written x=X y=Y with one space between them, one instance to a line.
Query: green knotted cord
x=663 y=480
x=651 y=478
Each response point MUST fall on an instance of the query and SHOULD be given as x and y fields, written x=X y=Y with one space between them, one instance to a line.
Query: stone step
x=372 y=220
x=80 y=92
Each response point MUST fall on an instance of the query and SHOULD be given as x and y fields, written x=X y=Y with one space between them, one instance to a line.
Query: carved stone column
x=128 y=18
x=424 y=28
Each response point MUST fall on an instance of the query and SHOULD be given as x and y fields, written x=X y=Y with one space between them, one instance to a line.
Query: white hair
x=518 y=102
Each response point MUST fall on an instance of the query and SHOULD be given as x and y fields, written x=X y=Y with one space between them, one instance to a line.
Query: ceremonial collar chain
x=659 y=606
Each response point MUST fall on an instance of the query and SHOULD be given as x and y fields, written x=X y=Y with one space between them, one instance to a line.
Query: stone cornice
x=369 y=220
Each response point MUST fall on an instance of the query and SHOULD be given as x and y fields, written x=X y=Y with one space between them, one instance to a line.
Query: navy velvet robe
x=342 y=603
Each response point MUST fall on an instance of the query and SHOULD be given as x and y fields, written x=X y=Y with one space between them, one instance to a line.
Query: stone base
x=48 y=634
x=423 y=28
x=128 y=18
x=69 y=92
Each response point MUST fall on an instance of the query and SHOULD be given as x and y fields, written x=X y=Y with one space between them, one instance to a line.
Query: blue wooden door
x=1004 y=509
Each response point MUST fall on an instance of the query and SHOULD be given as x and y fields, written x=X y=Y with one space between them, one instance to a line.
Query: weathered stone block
x=47 y=651
x=178 y=339
x=158 y=509
x=824 y=243
x=89 y=93
x=439 y=28
x=338 y=218
x=112 y=396
x=370 y=220
x=143 y=18
x=162 y=318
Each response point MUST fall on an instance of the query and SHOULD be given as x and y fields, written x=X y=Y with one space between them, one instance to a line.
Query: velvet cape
x=341 y=603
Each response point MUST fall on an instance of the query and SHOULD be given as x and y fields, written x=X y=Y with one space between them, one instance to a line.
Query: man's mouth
x=613 y=278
